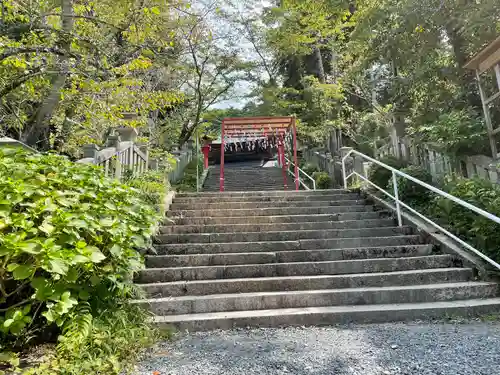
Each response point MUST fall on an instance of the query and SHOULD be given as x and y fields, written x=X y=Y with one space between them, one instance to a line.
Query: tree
x=73 y=70
x=398 y=62
x=210 y=65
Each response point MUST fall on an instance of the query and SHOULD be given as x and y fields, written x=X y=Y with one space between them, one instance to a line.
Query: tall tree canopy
x=72 y=70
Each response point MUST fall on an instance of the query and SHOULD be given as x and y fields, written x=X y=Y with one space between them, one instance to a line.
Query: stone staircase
x=247 y=176
x=280 y=258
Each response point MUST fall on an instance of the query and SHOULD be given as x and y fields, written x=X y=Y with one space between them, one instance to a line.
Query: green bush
x=323 y=180
x=188 y=181
x=69 y=240
x=480 y=232
x=409 y=192
x=310 y=169
x=153 y=186
x=381 y=176
x=459 y=131
x=110 y=343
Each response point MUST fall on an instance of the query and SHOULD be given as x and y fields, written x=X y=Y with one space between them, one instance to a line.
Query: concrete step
x=330 y=315
x=280 y=235
x=277 y=193
x=248 y=188
x=160 y=261
x=249 y=180
x=319 y=298
x=234 y=228
x=270 y=284
x=269 y=211
x=278 y=219
x=256 y=188
x=152 y=275
x=287 y=198
x=253 y=205
x=273 y=246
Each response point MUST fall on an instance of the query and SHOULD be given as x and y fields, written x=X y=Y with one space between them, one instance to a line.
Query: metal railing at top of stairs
x=301 y=181
x=400 y=204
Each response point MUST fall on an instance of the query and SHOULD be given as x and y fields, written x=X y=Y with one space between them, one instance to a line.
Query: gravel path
x=395 y=349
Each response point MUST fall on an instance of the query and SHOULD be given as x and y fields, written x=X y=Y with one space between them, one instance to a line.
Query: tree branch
x=22 y=50
x=18 y=81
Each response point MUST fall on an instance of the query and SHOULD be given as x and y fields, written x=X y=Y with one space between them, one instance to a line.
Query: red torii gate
x=258 y=127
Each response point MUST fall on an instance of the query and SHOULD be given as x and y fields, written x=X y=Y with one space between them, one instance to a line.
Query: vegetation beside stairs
x=70 y=242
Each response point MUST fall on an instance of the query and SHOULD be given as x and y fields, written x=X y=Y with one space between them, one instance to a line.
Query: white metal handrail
x=289 y=162
x=400 y=204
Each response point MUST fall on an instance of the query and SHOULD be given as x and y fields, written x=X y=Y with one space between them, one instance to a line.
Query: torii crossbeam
x=258 y=127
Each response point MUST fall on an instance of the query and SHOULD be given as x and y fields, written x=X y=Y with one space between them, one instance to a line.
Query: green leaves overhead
x=117 y=55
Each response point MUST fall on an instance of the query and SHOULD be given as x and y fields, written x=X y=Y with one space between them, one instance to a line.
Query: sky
x=243 y=88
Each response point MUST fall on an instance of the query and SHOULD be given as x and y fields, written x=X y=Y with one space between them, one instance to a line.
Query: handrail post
x=396 y=195
x=343 y=174
x=345 y=152
x=222 y=144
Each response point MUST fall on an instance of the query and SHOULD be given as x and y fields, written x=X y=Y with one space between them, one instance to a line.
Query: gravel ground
x=386 y=349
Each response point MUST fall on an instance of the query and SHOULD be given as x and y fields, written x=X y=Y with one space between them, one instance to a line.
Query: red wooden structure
x=261 y=127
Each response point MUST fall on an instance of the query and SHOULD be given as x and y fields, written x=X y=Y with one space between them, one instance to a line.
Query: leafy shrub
x=409 y=192
x=109 y=343
x=68 y=239
x=480 y=232
x=458 y=132
x=166 y=161
x=188 y=181
x=323 y=180
x=310 y=169
x=152 y=185
x=381 y=176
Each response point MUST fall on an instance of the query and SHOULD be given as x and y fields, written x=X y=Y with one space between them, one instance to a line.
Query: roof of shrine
x=485 y=59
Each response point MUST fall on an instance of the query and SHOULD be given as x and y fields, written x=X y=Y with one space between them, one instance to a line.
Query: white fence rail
x=289 y=163
x=349 y=171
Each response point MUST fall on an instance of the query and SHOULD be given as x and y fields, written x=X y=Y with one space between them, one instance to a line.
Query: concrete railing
x=439 y=164
x=183 y=158
x=121 y=157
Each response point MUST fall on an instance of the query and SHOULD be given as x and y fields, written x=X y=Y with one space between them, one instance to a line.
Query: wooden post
x=294 y=129
x=222 y=157
x=487 y=118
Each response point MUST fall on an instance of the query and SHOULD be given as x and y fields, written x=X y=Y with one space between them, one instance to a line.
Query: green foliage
x=108 y=343
x=153 y=185
x=480 y=232
x=381 y=176
x=114 y=59
x=69 y=240
x=310 y=168
x=457 y=132
x=323 y=180
x=188 y=182
x=410 y=192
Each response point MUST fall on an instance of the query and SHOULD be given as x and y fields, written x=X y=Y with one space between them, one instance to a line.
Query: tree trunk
x=37 y=133
x=467 y=78
x=319 y=68
x=187 y=131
